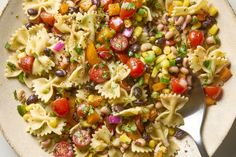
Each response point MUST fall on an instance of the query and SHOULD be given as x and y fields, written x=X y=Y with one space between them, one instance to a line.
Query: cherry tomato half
x=104 y=52
x=136 y=66
x=128 y=9
x=82 y=110
x=81 y=138
x=63 y=149
x=213 y=91
x=61 y=107
x=105 y=4
x=116 y=23
x=195 y=38
x=26 y=63
x=47 y=18
x=179 y=86
x=119 y=43
x=99 y=73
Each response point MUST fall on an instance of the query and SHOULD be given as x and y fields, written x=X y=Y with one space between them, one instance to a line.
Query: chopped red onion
x=59 y=46
x=114 y=119
x=128 y=32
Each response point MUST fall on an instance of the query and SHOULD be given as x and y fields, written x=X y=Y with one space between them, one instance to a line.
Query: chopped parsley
x=21 y=110
x=159 y=35
x=78 y=50
x=207 y=64
x=15 y=95
x=164 y=80
x=128 y=6
x=21 y=78
x=11 y=66
x=130 y=127
x=182 y=50
x=7 y=46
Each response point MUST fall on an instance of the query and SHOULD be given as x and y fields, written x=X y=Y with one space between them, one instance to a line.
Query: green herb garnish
x=11 y=66
x=78 y=50
x=21 y=110
x=21 y=78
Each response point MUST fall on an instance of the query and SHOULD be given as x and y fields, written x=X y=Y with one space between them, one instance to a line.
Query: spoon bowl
x=194 y=115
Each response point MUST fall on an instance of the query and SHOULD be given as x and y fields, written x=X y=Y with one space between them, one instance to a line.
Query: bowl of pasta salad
x=108 y=78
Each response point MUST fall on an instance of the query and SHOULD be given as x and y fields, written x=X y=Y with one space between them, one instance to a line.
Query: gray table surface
x=227 y=149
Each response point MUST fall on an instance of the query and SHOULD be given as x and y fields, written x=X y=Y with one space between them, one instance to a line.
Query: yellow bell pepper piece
x=125 y=139
x=114 y=9
x=158 y=86
x=213 y=30
x=213 y=11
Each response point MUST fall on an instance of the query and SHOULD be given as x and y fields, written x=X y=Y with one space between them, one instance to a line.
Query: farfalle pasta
x=110 y=80
x=172 y=103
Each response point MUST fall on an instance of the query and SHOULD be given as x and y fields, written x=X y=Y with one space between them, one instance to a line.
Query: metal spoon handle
x=200 y=145
x=202 y=149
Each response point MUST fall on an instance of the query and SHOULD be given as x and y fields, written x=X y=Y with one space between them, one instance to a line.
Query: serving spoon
x=194 y=115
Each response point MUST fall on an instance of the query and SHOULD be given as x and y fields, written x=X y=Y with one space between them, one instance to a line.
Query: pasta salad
x=109 y=77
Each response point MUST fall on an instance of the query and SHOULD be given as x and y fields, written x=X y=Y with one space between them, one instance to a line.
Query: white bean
x=140 y=142
x=160 y=27
x=187 y=21
x=70 y=3
x=210 y=40
x=105 y=110
x=179 y=21
x=173 y=50
x=146 y=46
x=184 y=70
x=169 y=35
x=174 y=69
x=185 y=62
x=158 y=105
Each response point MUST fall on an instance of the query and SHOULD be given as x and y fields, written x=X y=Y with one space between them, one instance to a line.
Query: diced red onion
x=114 y=119
x=59 y=46
x=128 y=32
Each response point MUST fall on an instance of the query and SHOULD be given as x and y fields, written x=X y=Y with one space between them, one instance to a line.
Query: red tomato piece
x=213 y=92
x=47 y=18
x=105 y=4
x=82 y=110
x=104 y=52
x=26 y=63
x=128 y=9
x=81 y=138
x=119 y=43
x=116 y=23
x=179 y=86
x=99 y=73
x=61 y=107
x=63 y=149
x=195 y=38
x=123 y=57
x=136 y=66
